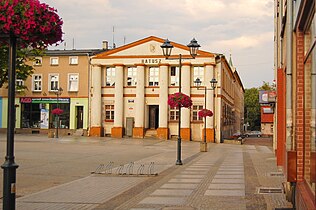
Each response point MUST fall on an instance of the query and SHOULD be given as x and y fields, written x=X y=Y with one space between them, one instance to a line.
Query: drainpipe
x=289 y=52
x=89 y=95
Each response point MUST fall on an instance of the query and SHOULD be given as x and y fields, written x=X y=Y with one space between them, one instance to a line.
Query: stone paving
x=225 y=177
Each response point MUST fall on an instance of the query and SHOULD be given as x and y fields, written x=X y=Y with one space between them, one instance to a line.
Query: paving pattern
x=225 y=177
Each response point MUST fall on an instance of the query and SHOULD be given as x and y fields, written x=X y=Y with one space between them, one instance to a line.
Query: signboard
x=267 y=96
x=29 y=100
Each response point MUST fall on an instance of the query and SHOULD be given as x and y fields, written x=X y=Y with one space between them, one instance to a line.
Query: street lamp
x=166 y=49
x=58 y=92
x=213 y=86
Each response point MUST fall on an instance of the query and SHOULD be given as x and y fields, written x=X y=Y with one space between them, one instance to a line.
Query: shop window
x=63 y=118
x=53 y=80
x=153 y=76
x=198 y=72
x=109 y=112
x=195 y=111
x=174 y=76
x=173 y=114
x=73 y=60
x=36 y=82
x=31 y=115
x=73 y=82
x=110 y=76
x=131 y=76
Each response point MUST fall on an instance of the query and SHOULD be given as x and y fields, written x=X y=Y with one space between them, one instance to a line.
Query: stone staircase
x=151 y=133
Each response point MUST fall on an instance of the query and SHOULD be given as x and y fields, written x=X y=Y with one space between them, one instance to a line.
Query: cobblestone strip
x=264 y=165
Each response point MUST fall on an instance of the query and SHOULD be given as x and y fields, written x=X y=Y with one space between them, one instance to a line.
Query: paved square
x=225 y=192
x=172 y=192
x=164 y=200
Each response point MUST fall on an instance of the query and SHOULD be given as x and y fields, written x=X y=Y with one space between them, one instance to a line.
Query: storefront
x=36 y=113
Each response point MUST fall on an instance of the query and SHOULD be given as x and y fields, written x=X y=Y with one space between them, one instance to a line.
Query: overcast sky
x=242 y=28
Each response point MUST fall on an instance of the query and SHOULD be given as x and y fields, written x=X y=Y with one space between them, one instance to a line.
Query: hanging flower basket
x=179 y=100
x=57 y=111
x=33 y=23
x=205 y=113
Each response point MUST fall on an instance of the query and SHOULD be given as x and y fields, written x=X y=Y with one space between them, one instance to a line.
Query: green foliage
x=252 y=106
x=23 y=70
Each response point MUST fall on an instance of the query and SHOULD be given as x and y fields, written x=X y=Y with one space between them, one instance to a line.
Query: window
x=73 y=60
x=73 y=82
x=36 y=82
x=174 y=76
x=198 y=72
x=19 y=85
x=131 y=76
x=110 y=76
x=53 y=80
x=173 y=114
x=54 y=61
x=37 y=61
x=153 y=76
x=109 y=112
x=195 y=111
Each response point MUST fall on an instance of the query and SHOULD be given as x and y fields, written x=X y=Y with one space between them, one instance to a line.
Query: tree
x=23 y=70
x=252 y=106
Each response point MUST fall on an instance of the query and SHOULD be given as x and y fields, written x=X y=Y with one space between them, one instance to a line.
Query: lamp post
x=9 y=166
x=166 y=49
x=58 y=92
x=213 y=86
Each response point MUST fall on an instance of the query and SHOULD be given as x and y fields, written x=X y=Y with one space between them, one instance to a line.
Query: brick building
x=295 y=71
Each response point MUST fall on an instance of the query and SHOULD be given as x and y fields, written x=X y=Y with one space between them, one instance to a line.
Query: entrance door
x=153 y=116
x=79 y=117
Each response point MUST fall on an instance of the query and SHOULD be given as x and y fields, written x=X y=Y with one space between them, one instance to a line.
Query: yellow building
x=66 y=69
x=130 y=86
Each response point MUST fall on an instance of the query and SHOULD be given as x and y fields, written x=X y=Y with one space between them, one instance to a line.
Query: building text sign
x=29 y=100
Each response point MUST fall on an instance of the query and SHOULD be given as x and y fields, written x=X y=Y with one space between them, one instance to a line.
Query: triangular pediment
x=149 y=46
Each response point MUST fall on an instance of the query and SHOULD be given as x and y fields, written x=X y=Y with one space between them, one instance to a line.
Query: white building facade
x=130 y=85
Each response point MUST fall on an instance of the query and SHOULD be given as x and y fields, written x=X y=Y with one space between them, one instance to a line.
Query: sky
x=240 y=28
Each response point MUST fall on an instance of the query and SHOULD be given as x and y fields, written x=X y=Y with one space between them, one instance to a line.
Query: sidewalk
x=225 y=177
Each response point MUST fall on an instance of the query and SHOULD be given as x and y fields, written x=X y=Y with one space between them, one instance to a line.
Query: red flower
x=34 y=23
x=57 y=111
x=205 y=113
x=179 y=100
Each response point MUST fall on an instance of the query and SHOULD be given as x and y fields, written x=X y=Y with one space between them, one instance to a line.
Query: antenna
x=124 y=40
x=73 y=43
x=113 y=43
x=65 y=45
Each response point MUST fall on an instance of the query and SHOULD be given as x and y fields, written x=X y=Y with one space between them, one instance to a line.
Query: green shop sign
x=29 y=100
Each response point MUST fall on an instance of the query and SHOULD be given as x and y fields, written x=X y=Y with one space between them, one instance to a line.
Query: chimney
x=105 y=45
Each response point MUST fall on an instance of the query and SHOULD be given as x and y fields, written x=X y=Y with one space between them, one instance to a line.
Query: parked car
x=237 y=135
x=253 y=133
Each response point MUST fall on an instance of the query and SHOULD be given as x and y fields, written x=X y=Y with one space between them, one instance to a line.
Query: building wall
x=139 y=100
x=76 y=98
x=296 y=98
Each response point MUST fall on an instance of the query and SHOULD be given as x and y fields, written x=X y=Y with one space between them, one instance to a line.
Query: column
x=139 y=130
x=185 y=113
x=208 y=76
x=95 y=107
x=162 y=131
x=117 y=130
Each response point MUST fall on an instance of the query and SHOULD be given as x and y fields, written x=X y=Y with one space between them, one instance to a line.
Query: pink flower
x=34 y=23
x=179 y=100
x=57 y=111
x=205 y=113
